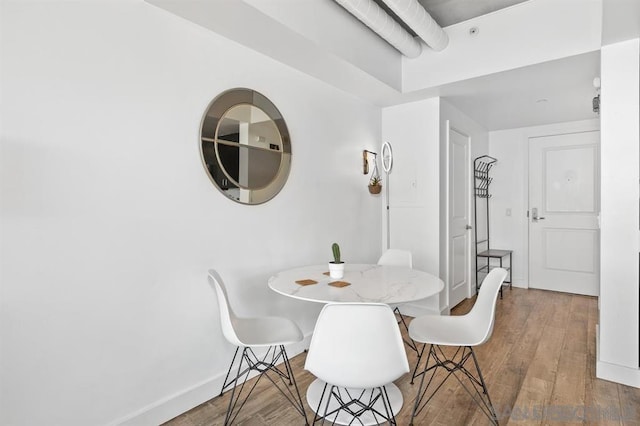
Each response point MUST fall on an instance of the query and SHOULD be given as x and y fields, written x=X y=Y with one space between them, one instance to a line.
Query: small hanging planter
x=375 y=189
x=375 y=185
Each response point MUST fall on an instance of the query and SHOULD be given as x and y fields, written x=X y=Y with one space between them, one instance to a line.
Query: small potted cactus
x=375 y=185
x=336 y=267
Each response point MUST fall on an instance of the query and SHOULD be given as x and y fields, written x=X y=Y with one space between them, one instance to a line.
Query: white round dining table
x=365 y=284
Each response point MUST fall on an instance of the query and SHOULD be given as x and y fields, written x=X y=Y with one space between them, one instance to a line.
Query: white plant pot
x=336 y=270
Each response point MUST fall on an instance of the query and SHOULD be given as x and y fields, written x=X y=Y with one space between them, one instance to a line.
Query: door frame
x=447 y=199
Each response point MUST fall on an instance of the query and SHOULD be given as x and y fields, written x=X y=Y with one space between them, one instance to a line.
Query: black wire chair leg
x=476 y=395
x=438 y=363
x=236 y=394
x=494 y=416
x=263 y=366
x=226 y=384
x=420 y=394
x=354 y=405
x=317 y=411
x=299 y=404
x=409 y=341
x=415 y=369
x=287 y=366
x=391 y=417
x=454 y=365
x=285 y=389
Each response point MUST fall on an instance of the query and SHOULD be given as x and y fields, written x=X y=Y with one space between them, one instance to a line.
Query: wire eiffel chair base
x=454 y=366
x=354 y=406
x=408 y=340
x=266 y=366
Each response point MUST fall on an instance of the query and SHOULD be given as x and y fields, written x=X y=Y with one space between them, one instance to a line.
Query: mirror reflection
x=245 y=146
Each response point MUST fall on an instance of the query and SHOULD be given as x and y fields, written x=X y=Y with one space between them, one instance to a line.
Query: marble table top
x=368 y=284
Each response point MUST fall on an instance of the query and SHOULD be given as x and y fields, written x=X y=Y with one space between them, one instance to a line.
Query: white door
x=564 y=202
x=459 y=226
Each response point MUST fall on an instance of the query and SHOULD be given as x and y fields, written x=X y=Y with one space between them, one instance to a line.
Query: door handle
x=468 y=227
x=534 y=215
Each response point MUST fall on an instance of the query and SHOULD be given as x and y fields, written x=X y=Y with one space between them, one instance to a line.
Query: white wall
x=478 y=145
x=418 y=195
x=618 y=355
x=510 y=189
x=109 y=221
x=413 y=131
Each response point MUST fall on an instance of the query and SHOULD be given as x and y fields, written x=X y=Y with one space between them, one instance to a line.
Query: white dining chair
x=266 y=333
x=397 y=257
x=463 y=332
x=356 y=352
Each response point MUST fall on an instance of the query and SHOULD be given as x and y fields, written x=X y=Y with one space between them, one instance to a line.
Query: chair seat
x=445 y=330
x=267 y=331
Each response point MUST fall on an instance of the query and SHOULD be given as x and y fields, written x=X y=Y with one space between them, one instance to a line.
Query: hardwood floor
x=539 y=367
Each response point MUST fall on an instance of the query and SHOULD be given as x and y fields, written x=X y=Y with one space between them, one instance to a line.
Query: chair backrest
x=227 y=316
x=357 y=345
x=396 y=257
x=482 y=315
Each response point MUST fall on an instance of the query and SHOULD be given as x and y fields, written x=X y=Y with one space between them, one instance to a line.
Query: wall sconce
x=365 y=161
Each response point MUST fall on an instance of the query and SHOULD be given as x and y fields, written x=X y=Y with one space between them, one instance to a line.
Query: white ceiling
x=321 y=39
x=550 y=92
x=449 y=12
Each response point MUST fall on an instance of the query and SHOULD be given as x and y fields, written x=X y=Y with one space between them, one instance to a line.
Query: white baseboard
x=618 y=374
x=613 y=372
x=173 y=405
x=520 y=284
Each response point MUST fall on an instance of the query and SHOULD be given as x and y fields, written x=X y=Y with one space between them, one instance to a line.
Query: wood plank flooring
x=539 y=367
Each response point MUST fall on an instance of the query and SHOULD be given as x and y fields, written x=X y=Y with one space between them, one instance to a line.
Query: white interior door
x=459 y=225
x=564 y=203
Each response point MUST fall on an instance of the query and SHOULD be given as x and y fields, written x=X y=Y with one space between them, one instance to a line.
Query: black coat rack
x=486 y=258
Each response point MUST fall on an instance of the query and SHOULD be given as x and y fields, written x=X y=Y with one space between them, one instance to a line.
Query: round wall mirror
x=246 y=148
